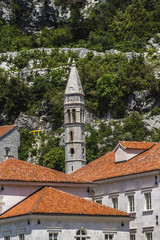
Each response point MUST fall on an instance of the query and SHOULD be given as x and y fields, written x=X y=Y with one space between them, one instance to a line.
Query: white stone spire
x=74 y=84
x=75 y=150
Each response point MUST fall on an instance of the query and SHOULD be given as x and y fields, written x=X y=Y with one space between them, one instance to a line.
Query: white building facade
x=138 y=195
x=63 y=228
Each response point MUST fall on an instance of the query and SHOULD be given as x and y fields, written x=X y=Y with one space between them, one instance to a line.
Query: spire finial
x=73 y=63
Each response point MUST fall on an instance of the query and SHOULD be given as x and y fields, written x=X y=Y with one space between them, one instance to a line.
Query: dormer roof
x=126 y=150
x=106 y=167
x=74 y=85
x=49 y=200
x=5 y=129
x=136 y=145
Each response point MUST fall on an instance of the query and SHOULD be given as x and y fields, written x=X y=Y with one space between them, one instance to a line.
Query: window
x=132 y=237
x=72 y=151
x=81 y=119
x=131 y=203
x=6 y=237
x=83 y=151
x=68 y=116
x=71 y=136
x=148 y=236
x=148 y=201
x=115 y=203
x=99 y=201
x=81 y=235
x=21 y=236
x=108 y=236
x=7 y=151
x=74 y=115
x=53 y=236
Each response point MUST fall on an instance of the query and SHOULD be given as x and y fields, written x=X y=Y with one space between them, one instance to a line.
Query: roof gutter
x=128 y=176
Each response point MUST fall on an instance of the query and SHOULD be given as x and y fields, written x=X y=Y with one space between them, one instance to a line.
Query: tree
x=134 y=125
x=54 y=159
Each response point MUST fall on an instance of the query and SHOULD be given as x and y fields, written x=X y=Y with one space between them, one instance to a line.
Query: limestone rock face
x=31 y=15
x=152 y=122
x=32 y=123
x=141 y=101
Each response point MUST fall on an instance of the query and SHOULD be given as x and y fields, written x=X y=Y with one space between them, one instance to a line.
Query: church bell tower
x=75 y=150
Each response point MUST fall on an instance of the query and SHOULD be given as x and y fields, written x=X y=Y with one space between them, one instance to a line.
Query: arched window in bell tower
x=81 y=115
x=83 y=136
x=72 y=151
x=71 y=136
x=74 y=115
x=68 y=116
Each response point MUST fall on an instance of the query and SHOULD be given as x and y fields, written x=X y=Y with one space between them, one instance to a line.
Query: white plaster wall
x=122 y=154
x=12 y=194
x=132 y=152
x=78 y=191
x=136 y=186
x=67 y=226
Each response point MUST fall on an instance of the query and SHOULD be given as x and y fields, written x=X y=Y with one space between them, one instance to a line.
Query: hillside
x=116 y=49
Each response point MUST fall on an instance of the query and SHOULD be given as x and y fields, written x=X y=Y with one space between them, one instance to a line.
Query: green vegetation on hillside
x=125 y=25
x=107 y=82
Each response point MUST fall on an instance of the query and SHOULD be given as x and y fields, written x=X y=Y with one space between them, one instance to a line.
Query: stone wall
x=9 y=145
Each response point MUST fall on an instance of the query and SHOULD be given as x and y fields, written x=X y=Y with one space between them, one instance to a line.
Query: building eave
x=125 y=177
x=59 y=184
x=65 y=217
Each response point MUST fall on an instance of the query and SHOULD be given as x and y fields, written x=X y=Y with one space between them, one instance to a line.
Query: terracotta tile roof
x=17 y=170
x=137 y=145
x=5 y=129
x=49 y=200
x=105 y=166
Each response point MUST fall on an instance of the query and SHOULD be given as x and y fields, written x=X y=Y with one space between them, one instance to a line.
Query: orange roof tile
x=137 y=145
x=17 y=170
x=5 y=129
x=49 y=200
x=105 y=166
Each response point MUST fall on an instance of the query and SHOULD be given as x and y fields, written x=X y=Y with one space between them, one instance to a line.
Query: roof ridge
x=7 y=164
x=40 y=197
x=138 y=141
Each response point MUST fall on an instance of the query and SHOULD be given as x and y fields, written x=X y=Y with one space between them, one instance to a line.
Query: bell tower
x=75 y=149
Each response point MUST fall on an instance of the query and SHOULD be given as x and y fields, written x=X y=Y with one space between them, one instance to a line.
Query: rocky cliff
x=31 y=15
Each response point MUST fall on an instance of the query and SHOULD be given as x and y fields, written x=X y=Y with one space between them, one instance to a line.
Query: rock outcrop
x=141 y=101
x=31 y=15
x=32 y=123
